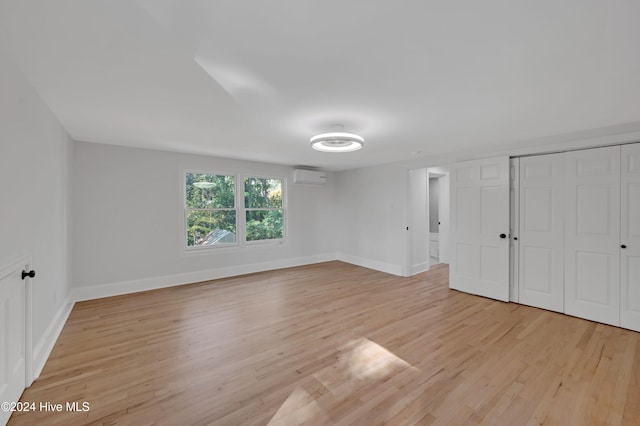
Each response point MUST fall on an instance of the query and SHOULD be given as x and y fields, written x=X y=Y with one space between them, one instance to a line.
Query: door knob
x=623 y=246
x=29 y=274
x=503 y=235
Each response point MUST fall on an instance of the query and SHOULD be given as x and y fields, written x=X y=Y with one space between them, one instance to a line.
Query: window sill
x=231 y=248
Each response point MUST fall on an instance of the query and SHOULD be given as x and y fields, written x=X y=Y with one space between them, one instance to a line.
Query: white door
x=514 y=228
x=541 y=237
x=12 y=337
x=630 y=237
x=443 y=249
x=479 y=250
x=592 y=234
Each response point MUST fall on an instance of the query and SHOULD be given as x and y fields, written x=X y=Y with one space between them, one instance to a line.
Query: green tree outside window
x=264 y=212
x=210 y=209
x=212 y=215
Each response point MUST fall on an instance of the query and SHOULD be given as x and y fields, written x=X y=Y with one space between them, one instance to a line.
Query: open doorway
x=428 y=214
x=438 y=193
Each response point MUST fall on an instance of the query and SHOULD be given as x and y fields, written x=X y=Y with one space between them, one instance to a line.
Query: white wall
x=419 y=216
x=127 y=209
x=34 y=161
x=372 y=206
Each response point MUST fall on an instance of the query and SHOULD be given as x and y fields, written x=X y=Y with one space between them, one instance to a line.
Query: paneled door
x=592 y=234
x=514 y=227
x=12 y=336
x=541 y=236
x=479 y=203
x=630 y=237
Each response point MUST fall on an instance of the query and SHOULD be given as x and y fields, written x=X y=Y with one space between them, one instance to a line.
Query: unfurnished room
x=293 y=212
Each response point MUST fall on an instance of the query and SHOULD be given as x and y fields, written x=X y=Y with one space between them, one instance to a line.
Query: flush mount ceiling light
x=337 y=141
x=204 y=185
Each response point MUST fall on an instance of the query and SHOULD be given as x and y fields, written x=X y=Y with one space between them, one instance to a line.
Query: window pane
x=262 y=193
x=205 y=191
x=264 y=225
x=207 y=228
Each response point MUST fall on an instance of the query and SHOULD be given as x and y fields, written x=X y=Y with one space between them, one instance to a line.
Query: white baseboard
x=79 y=294
x=389 y=268
x=419 y=268
x=45 y=345
x=125 y=287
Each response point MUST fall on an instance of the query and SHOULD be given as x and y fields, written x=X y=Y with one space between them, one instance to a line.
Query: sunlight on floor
x=359 y=363
x=369 y=360
x=299 y=408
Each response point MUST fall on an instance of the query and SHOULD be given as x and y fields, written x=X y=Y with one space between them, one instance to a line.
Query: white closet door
x=592 y=252
x=630 y=237
x=541 y=238
x=479 y=203
x=514 y=228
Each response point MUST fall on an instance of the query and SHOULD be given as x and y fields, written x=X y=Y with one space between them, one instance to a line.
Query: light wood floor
x=334 y=344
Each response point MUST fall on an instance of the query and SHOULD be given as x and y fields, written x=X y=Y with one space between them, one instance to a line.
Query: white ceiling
x=256 y=79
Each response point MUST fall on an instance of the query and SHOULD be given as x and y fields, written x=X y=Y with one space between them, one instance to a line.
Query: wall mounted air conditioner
x=309 y=177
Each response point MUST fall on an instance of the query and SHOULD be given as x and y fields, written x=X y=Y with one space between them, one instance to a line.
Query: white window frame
x=185 y=233
x=241 y=217
x=244 y=209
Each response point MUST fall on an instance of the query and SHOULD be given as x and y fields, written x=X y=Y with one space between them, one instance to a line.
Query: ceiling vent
x=309 y=177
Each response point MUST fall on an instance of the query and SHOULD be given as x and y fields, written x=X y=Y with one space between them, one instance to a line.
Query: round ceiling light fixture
x=337 y=141
x=204 y=185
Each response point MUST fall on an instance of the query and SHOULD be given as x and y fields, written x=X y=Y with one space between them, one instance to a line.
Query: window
x=210 y=209
x=264 y=213
x=216 y=215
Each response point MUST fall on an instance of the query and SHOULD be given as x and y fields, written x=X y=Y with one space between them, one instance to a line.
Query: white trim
x=133 y=286
x=185 y=235
x=412 y=220
x=10 y=265
x=238 y=248
x=407 y=267
x=19 y=263
x=239 y=208
x=514 y=230
x=243 y=219
x=273 y=241
x=144 y=284
x=388 y=268
x=45 y=345
x=421 y=267
x=28 y=327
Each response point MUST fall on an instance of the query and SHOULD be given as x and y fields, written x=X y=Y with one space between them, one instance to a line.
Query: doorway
x=428 y=218
x=438 y=192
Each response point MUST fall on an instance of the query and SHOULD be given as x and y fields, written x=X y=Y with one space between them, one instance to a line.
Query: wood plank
x=334 y=343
